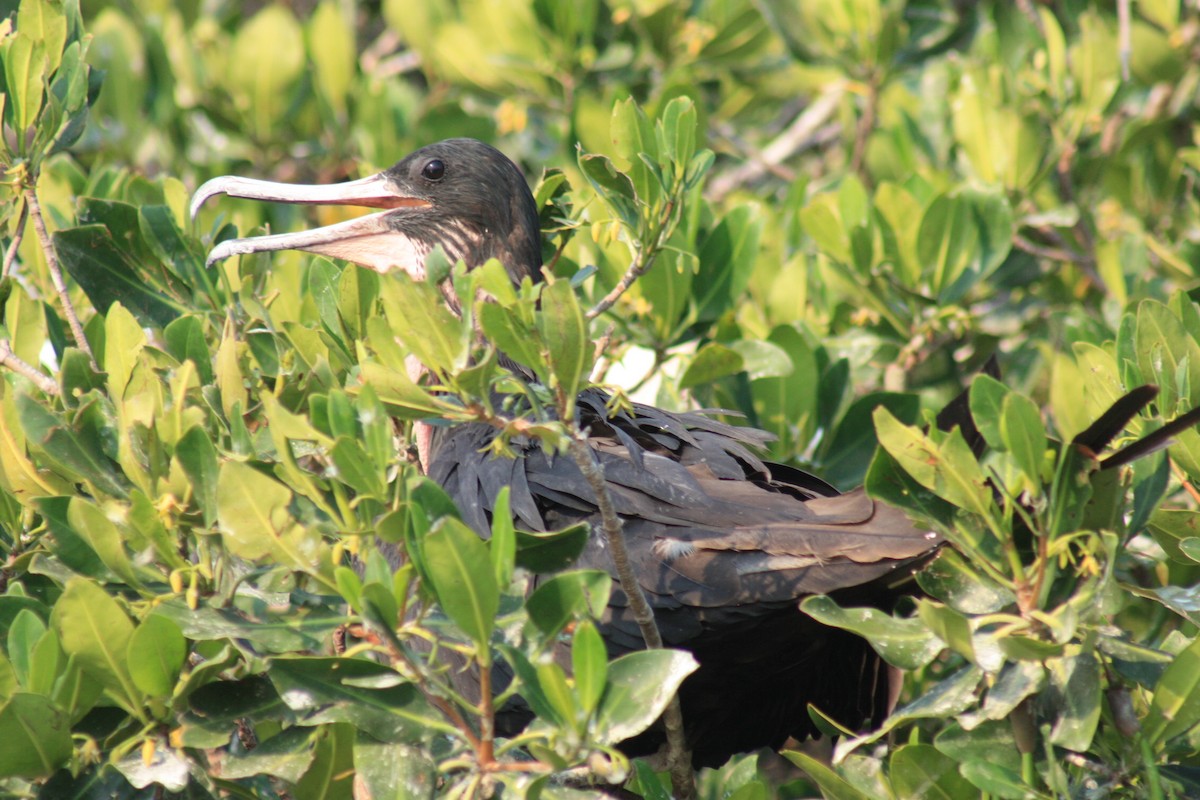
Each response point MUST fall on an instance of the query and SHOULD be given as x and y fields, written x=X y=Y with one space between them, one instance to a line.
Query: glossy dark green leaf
x=849 y=452
x=562 y=598
x=368 y=695
x=953 y=580
x=185 y=340
x=639 y=686
x=906 y=643
x=95 y=261
x=75 y=452
x=463 y=579
x=550 y=551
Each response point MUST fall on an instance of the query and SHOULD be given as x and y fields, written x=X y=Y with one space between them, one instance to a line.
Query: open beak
x=368 y=240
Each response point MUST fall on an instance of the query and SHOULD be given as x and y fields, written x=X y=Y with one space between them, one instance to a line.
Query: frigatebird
x=725 y=544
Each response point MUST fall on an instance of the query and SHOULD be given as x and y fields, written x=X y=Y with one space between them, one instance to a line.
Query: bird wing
x=708 y=524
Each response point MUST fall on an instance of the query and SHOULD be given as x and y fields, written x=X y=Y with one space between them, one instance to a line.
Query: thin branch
x=642 y=262
x=678 y=757
x=1124 y=38
x=808 y=129
x=487 y=718
x=1052 y=253
x=39 y=225
x=10 y=255
x=9 y=359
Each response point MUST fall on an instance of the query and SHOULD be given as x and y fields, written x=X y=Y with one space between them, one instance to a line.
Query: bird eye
x=434 y=170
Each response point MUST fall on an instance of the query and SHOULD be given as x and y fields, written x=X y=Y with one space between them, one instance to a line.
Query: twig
x=1052 y=253
x=1124 y=38
x=10 y=255
x=39 y=225
x=10 y=359
x=678 y=757
x=600 y=368
x=807 y=130
x=642 y=262
x=487 y=717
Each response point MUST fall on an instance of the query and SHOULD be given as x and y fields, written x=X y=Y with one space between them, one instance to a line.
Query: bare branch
x=10 y=255
x=10 y=359
x=808 y=130
x=646 y=254
x=678 y=758
x=39 y=225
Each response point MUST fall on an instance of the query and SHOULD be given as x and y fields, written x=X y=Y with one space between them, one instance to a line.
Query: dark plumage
x=724 y=544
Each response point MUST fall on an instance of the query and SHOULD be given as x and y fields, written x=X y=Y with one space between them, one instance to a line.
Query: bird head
x=460 y=194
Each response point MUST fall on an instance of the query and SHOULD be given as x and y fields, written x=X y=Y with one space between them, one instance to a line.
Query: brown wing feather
x=725 y=546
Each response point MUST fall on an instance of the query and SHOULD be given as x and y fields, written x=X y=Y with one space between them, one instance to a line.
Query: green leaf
x=286 y=755
x=849 y=451
x=502 y=548
x=920 y=771
x=24 y=75
x=613 y=186
x=1075 y=697
x=23 y=635
x=36 y=736
x=589 y=664
x=726 y=261
x=953 y=580
x=1175 y=707
x=252 y=510
x=833 y=786
x=712 y=362
x=948 y=469
x=96 y=632
x=46 y=23
x=418 y=316
x=560 y=599
x=263 y=75
x=160 y=230
x=905 y=643
x=368 y=695
x=107 y=275
x=463 y=580
x=156 y=654
x=357 y=469
x=394 y=771
x=998 y=781
x=332 y=49
x=551 y=551
x=563 y=329
x=76 y=453
x=103 y=536
x=185 y=340
x=198 y=458
x=950 y=626
x=639 y=687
